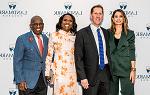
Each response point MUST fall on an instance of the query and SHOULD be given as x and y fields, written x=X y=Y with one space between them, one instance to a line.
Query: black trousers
x=40 y=88
x=102 y=85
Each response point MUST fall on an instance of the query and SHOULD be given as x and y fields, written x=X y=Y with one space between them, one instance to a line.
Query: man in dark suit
x=29 y=60
x=88 y=57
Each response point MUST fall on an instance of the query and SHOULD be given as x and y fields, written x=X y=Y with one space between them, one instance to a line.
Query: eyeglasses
x=38 y=24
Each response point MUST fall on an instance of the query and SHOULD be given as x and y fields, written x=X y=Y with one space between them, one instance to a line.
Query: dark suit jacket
x=123 y=54
x=27 y=61
x=86 y=54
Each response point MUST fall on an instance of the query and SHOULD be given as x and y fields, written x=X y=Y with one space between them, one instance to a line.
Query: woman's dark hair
x=74 y=26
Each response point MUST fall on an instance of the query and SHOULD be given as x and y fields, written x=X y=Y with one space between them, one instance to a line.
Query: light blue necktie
x=101 y=50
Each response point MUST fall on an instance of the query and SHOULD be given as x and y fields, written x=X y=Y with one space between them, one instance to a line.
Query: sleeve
x=18 y=60
x=49 y=56
x=79 y=56
x=131 y=41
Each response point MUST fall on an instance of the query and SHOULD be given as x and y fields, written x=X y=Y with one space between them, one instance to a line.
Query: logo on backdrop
x=68 y=8
x=12 y=5
x=13 y=10
x=146 y=76
x=9 y=54
x=12 y=91
x=68 y=5
x=123 y=5
x=145 y=34
x=125 y=8
x=148 y=69
x=148 y=27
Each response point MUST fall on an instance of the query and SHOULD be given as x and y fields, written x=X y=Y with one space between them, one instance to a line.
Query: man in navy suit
x=29 y=60
x=94 y=80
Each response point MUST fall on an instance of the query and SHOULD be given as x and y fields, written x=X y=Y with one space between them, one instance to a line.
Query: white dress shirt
x=36 y=39
x=94 y=31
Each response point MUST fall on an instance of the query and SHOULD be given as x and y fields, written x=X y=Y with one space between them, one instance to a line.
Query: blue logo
x=68 y=9
x=12 y=5
x=12 y=12
x=123 y=5
x=145 y=34
x=67 y=5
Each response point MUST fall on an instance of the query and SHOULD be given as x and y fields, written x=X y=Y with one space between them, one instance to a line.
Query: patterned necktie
x=101 y=50
x=40 y=44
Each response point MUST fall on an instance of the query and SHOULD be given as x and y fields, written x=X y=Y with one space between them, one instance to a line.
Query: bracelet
x=133 y=69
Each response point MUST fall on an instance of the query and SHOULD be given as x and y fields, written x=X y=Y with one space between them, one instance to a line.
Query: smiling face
x=118 y=18
x=97 y=16
x=37 y=25
x=67 y=23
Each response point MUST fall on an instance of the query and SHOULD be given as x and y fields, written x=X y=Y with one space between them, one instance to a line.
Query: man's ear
x=30 y=25
x=90 y=18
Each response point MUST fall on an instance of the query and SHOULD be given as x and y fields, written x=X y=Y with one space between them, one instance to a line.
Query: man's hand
x=85 y=83
x=50 y=79
x=22 y=86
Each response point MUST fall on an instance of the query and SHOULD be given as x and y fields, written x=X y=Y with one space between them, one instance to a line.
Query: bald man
x=29 y=60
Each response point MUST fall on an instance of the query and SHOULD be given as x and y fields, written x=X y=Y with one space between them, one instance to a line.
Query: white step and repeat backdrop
x=15 y=17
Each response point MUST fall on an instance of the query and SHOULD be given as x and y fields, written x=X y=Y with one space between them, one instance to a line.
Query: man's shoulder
x=104 y=29
x=84 y=29
x=44 y=35
x=24 y=34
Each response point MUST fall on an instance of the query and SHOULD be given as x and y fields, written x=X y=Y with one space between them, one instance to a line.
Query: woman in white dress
x=61 y=44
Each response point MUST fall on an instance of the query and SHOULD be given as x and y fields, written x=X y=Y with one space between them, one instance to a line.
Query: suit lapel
x=122 y=40
x=91 y=37
x=112 y=42
x=44 y=44
x=35 y=44
x=104 y=33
